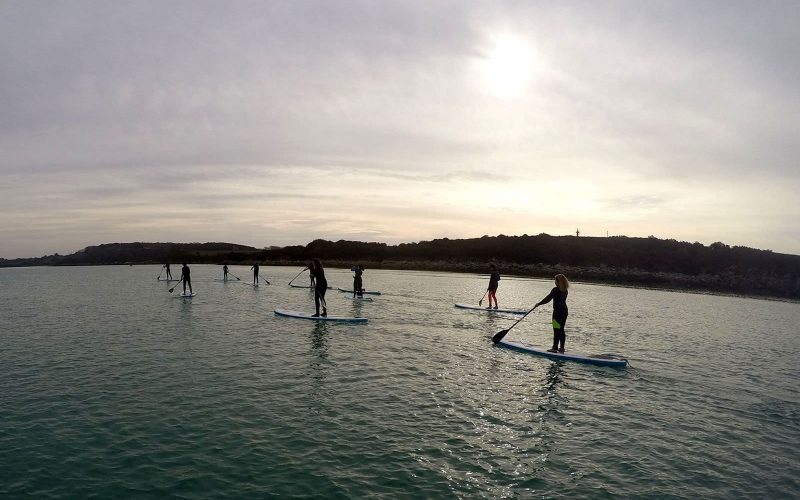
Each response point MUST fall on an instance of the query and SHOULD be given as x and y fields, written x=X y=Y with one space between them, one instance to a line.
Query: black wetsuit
x=320 y=288
x=225 y=272
x=255 y=274
x=358 y=283
x=494 y=281
x=187 y=278
x=560 y=313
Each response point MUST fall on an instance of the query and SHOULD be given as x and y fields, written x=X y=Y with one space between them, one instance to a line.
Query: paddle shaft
x=298 y=274
x=480 y=302
x=502 y=333
x=176 y=285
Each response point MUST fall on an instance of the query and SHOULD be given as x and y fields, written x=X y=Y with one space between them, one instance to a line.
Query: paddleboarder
x=169 y=273
x=321 y=286
x=311 y=274
x=358 y=284
x=255 y=274
x=225 y=272
x=494 y=281
x=187 y=278
x=560 y=311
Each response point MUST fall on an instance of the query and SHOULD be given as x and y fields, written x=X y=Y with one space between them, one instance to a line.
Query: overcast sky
x=273 y=123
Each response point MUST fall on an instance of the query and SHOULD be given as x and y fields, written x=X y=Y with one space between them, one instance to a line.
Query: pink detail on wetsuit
x=492 y=296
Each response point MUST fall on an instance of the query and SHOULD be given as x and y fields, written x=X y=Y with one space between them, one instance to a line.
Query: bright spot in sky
x=508 y=66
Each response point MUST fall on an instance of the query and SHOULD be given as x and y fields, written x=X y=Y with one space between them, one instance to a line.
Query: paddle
x=480 y=302
x=264 y=279
x=238 y=278
x=159 y=273
x=502 y=333
x=176 y=285
x=298 y=274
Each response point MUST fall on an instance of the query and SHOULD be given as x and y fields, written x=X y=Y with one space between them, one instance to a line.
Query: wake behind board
x=305 y=315
x=487 y=309
x=364 y=292
x=596 y=359
x=360 y=299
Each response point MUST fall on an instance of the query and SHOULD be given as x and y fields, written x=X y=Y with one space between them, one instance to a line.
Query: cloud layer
x=280 y=122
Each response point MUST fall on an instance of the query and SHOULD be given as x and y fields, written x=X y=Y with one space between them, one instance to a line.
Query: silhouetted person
x=494 y=282
x=169 y=273
x=255 y=274
x=320 y=287
x=358 y=283
x=560 y=312
x=311 y=274
x=187 y=278
x=225 y=272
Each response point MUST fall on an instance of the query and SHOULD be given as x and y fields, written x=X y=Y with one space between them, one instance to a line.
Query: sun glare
x=508 y=66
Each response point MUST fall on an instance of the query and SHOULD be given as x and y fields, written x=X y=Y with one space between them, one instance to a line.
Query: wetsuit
x=494 y=281
x=225 y=272
x=560 y=313
x=358 y=283
x=187 y=278
x=319 y=289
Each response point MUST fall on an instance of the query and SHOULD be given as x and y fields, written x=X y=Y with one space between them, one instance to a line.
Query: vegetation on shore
x=649 y=262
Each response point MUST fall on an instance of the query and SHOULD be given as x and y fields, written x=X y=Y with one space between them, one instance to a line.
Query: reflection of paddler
x=358 y=284
x=560 y=311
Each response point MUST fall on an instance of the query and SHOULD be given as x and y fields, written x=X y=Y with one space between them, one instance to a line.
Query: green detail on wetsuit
x=556 y=325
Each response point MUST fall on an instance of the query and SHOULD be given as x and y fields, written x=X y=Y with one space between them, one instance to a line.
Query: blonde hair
x=562 y=282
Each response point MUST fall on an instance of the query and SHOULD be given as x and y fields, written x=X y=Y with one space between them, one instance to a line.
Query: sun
x=508 y=66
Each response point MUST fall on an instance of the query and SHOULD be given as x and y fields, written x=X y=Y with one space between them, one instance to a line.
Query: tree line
x=615 y=260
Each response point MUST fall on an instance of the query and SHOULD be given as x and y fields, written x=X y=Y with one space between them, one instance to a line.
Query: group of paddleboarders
x=558 y=295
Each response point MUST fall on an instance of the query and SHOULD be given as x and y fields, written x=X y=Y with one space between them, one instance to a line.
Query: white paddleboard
x=159 y=279
x=486 y=309
x=303 y=286
x=305 y=315
x=364 y=292
x=186 y=295
x=595 y=359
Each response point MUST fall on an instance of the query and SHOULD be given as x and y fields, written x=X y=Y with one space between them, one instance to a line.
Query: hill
x=621 y=260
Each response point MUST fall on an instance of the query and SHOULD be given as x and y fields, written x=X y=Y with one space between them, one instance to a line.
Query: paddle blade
x=499 y=335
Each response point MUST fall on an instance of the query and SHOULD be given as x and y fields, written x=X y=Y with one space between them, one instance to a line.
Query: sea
x=111 y=386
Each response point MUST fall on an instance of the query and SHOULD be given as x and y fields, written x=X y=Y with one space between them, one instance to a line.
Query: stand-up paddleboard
x=488 y=309
x=304 y=286
x=305 y=315
x=159 y=279
x=185 y=295
x=596 y=359
x=364 y=292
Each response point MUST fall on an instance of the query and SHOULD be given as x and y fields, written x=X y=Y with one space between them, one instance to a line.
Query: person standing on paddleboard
x=318 y=274
x=494 y=282
x=311 y=274
x=225 y=272
x=169 y=273
x=358 y=283
x=560 y=311
x=187 y=278
x=255 y=274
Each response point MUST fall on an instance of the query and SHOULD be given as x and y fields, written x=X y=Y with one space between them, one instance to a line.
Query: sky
x=275 y=123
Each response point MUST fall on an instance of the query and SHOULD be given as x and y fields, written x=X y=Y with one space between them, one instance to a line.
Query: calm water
x=110 y=387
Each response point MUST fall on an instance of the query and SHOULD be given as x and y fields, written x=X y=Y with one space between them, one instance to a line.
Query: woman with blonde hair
x=560 y=312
